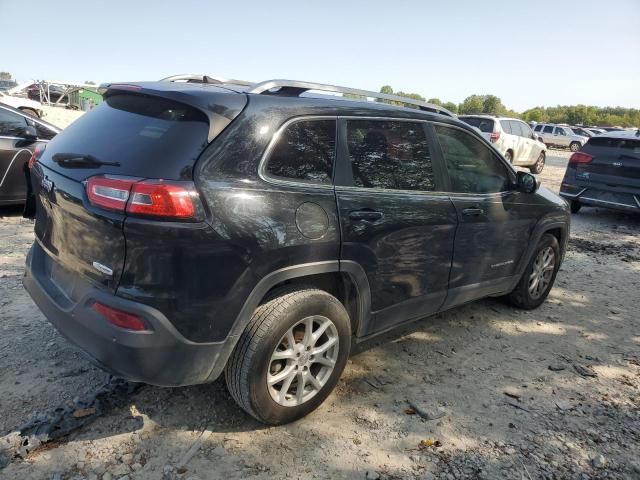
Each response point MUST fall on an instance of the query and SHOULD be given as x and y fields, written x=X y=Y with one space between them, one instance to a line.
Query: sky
x=528 y=53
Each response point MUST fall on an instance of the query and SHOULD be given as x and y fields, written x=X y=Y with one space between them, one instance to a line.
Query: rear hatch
x=615 y=162
x=485 y=125
x=135 y=134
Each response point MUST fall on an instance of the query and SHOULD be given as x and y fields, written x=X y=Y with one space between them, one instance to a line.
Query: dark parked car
x=184 y=230
x=20 y=136
x=605 y=173
x=582 y=131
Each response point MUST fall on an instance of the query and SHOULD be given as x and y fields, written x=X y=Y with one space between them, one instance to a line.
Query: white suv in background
x=511 y=137
x=560 y=136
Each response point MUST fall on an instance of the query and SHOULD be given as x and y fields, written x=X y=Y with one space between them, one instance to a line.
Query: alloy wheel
x=303 y=361
x=542 y=271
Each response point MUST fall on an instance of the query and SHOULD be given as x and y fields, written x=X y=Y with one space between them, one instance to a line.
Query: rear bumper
x=600 y=197
x=158 y=357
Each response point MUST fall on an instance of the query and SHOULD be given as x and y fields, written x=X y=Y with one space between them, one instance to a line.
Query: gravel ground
x=552 y=393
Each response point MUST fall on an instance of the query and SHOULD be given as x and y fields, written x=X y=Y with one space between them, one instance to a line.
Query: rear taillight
x=120 y=318
x=580 y=158
x=160 y=199
x=35 y=156
x=494 y=137
x=109 y=193
x=153 y=198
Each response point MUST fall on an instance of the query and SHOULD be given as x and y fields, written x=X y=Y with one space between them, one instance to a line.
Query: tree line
x=571 y=114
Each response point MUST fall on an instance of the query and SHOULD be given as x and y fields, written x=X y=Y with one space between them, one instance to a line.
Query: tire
x=574 y=146
x=522 y=296
x=251 y=365
x=30 y=111
x=539 y=165
x=508 y=156
x=575 y=206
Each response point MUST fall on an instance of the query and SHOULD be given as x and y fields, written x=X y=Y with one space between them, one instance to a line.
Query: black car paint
x=205 y=279
x=612 y=178
x=15 y=152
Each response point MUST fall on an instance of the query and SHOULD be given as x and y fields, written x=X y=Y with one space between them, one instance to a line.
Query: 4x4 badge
x=617 y=164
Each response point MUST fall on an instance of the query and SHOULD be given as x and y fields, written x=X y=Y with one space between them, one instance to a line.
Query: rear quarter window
x=304 y=151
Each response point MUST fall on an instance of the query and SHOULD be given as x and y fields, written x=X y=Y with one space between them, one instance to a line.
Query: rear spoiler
x=220 y=105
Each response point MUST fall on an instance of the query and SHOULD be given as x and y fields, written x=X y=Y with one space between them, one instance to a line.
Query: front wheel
x=537 y=279
x=574 y=146
x=539 y=165
x=290 y=356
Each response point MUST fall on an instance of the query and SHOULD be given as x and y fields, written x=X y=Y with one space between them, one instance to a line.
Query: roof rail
x=295 y=88
x=200 y=78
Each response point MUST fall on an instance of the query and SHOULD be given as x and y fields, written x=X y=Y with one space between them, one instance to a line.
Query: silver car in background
x=513 y=138
x=559 y=136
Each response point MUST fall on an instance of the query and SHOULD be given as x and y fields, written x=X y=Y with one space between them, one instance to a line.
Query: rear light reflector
x=494 y=136
x=109 y=193
x=35 y=156
x=580 y=158
x=120 y=318
x=160 y=199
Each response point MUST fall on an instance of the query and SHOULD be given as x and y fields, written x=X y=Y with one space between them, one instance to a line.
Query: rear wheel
x=574 y=146
x=508 y=156
x=538 y=277
x=575 y=206
x=539 y=165
x=290 y=357
x=30 y=111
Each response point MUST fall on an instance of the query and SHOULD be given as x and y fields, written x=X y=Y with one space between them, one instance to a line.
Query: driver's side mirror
x=527 y=183
x=29 y=133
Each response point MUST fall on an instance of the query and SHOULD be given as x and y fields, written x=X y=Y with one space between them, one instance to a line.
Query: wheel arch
x=346 y=280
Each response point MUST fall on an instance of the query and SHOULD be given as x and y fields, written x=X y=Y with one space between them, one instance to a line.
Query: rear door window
x=538 y=128
x=548 y=129
x=390 y=154
x=507 y=127
x=305 y=151
x=515 y=128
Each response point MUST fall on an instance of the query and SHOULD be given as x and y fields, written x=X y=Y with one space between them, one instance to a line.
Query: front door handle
x=473 y=212
x=367 y=215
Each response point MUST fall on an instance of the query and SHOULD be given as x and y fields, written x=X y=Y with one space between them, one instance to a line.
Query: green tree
x=452 y=107
x=5 y=76
x=435 y=101
x=472 y=104
x=492 y=104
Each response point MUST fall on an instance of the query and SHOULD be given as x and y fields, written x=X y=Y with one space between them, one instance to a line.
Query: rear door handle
x=472 y=212
x=367 y=215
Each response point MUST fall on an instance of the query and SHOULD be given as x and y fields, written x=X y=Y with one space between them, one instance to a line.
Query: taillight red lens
x=160 y=199
x=37 y=153
x=580 y=157
x=109 y=193
x=120 y=318
x=155 y=198
x=494 y=136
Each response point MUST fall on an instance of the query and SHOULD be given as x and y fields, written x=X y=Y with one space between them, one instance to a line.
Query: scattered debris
x=599 y=461
x=425 y=412
x=372 y=475
x=63 y=420
x=557 y=367
x=584 y=371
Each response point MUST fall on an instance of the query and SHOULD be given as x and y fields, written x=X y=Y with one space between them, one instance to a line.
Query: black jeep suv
x=185 y=229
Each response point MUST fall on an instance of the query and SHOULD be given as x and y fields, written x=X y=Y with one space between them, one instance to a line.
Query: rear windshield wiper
x=80 y=160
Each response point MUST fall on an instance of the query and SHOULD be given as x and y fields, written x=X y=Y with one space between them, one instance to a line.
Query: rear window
x=147 y=136
x=483 y=124
x=608 y=142
x=506 y=127
x=305 y=151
